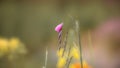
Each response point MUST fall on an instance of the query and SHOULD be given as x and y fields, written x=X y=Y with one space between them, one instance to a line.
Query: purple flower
x=58 y=28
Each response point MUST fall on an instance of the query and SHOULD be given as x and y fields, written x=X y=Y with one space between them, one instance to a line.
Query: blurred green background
x=33 y=22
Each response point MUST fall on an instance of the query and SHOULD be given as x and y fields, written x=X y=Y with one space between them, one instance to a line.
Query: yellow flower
x=61 y=62
x=13 y=43
x=75 y=53
x=71 y=66
x=60 y=52
x=3 y=45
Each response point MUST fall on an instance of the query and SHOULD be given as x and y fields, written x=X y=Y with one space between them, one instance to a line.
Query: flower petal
x=58 y=28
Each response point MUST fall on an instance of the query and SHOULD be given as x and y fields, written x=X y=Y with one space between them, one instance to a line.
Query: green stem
x=79 y=43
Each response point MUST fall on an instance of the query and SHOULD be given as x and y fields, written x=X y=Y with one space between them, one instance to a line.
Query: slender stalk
x=69 y=62
x=64 y=45
x=79 y=43
x=59 y=40
x=68 y=59
x=46 y=58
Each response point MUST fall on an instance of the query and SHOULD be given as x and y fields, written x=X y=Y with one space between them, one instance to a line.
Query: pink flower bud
x=58 y=28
